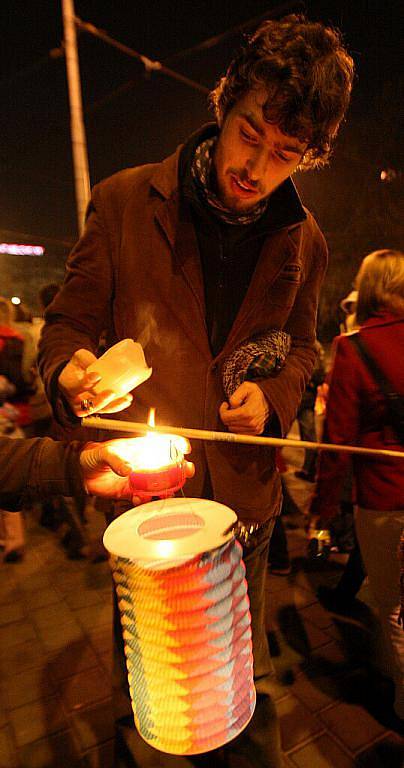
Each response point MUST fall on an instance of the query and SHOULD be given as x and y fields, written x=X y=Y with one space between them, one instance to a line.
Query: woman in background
x=357 y=413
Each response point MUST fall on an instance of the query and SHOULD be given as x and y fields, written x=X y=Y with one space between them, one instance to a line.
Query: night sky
x=131 y=119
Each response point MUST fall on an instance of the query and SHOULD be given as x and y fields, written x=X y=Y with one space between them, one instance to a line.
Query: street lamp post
x=78 y=135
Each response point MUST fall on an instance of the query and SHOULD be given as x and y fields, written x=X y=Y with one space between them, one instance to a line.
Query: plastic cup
x=122 y=368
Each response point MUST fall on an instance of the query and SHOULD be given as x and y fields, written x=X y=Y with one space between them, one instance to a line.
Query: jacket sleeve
x=341 y=427
x=285 y=391
x=31 y=469
x=80 y=311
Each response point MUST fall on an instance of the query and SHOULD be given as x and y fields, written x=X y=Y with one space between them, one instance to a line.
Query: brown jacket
x=136 y=271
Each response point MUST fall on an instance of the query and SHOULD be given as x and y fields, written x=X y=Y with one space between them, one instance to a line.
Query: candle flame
x=153 y=451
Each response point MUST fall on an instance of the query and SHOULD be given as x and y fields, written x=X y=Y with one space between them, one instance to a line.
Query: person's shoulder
x=311 y=226
x=124 y=182
x=343 y=344
x=312 y=240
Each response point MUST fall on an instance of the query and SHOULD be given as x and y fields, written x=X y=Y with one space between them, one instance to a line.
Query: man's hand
x=77 y=385
x=105 y=473
x=247 y=410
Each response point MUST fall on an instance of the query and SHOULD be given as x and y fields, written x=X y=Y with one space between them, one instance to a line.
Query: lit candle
x=157 y=461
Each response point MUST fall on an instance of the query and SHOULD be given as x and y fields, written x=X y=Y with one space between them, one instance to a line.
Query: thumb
x=224 y=407
x=82 y=358
x=239 y=396
x=117 y=464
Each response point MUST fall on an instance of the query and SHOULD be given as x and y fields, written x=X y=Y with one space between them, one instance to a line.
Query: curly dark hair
x=307 y=74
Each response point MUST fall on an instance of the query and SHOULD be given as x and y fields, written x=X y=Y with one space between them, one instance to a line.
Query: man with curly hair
x=203 y=253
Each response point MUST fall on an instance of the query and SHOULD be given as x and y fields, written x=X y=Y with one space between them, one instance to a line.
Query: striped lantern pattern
x=187 y=636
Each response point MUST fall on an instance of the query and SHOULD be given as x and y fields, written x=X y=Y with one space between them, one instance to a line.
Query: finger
x=117 y=464
x=90 y=379
x=189 y=469
x=224 y=408
x=241 y=394
x=105 y=402
x=117 y=405
x=82 y=358
x=234 y=415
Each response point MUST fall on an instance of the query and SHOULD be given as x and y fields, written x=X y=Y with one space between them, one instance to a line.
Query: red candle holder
x=157 y=462
x=162 y=482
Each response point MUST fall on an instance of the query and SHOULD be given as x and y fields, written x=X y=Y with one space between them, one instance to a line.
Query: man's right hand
x=77 y=386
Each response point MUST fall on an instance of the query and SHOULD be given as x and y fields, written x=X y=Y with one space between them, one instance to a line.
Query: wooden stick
x=232 y=437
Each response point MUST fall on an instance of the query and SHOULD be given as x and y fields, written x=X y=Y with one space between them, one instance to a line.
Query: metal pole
x=78 y=135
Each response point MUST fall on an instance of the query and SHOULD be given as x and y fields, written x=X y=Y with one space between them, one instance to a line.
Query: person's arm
x=284 y=391
x=78 y=315
x=31 y=469
x=270 y=404
x=341 y=427
x=40 y=467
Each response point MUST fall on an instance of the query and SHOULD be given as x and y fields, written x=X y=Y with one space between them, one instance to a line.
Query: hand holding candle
x=157 y=462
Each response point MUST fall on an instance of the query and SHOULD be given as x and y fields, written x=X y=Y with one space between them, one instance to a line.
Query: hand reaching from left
x=105 y=473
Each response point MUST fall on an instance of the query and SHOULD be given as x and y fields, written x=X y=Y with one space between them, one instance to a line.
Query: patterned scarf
x=201 y=173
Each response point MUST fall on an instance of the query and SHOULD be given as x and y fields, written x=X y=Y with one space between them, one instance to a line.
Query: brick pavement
x=55 y=658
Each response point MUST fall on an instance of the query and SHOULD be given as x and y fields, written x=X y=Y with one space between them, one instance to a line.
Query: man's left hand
x=247 y=410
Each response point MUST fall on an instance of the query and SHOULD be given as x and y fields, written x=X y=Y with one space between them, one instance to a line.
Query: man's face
x=252 y=157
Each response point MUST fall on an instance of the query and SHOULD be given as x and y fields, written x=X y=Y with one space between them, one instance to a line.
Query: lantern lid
x=170 y=531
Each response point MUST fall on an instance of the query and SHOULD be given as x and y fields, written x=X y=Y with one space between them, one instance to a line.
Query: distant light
x=388 y=174
x=15 y=249
x=15 y=300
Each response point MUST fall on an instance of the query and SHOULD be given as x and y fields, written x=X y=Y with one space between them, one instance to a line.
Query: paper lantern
x=182 y=595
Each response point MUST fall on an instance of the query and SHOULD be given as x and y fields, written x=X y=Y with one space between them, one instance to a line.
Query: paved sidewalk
x=55 y=656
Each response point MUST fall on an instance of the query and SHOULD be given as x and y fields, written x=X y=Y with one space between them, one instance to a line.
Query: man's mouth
x=241 y=188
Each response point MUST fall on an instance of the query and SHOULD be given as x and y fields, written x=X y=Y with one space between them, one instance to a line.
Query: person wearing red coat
x=357 y=413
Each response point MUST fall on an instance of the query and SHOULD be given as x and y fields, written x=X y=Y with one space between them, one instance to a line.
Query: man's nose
x=256 y=164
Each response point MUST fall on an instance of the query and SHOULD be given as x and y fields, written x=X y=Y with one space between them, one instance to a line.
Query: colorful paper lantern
x=182 y=595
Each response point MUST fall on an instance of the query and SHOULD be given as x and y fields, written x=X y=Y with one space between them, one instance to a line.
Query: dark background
x=132 y=118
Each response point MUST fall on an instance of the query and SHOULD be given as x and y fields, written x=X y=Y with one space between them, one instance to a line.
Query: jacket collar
x=382 y=318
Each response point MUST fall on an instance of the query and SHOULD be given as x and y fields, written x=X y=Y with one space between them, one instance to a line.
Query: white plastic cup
x=122 y=368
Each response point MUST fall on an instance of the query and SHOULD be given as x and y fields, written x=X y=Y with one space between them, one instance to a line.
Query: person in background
x=40 y=410
x=305 y=417
x=13 y=395
x=211 y=249
x=358 y=413
x=341 y=598
x=348 y=306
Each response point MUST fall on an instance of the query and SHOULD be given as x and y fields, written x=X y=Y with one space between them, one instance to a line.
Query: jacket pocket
x=283 y=292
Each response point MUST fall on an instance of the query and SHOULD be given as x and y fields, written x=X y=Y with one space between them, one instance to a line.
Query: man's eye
x=283 y=158
x=248 y=136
